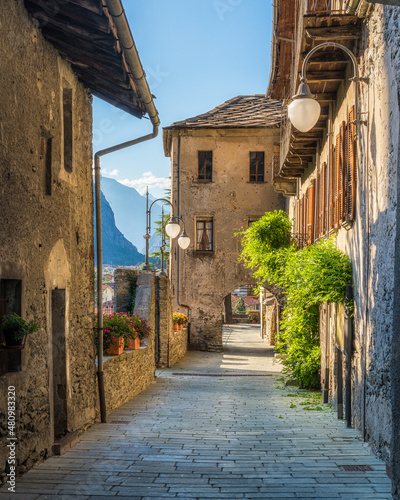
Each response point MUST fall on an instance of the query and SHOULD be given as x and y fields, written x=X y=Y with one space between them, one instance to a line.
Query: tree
x=240 y=307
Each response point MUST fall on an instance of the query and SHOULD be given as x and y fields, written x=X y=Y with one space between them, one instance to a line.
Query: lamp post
x=304 y=110
x=172 y=228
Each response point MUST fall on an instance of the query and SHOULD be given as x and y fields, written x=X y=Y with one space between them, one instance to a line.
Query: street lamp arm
x=355 y=69
x=161 y=199
x=304 y=110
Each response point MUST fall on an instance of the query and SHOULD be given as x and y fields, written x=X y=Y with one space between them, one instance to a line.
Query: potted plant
x=15 y=330
x=141 y=329
x=115 y=329
x=180 y=320
x=253 y=316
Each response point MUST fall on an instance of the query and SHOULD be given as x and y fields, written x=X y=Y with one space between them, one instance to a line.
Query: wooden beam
x=325 y=76
x=334 y=32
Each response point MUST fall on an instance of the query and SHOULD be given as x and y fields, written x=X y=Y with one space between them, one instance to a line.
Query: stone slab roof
x=244 y=111
x=83 y=32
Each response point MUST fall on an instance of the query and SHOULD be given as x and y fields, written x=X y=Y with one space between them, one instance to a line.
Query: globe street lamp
x=304 y=110
x=172 y=228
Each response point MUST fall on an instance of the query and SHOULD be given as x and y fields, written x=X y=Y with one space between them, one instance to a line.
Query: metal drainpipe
x=132 y=58
x=178 y=199
x=348 y=353
x=326 y=381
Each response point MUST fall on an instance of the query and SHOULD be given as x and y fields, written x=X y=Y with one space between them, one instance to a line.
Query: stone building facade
x=48 y=69
x=221 y=181
x=344 y=184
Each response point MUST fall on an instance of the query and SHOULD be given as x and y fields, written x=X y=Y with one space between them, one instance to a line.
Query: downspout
x=326 y=378
x=178 y=200
x=132 y=58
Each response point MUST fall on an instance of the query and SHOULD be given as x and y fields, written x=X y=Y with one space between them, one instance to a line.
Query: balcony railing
x=326 y=6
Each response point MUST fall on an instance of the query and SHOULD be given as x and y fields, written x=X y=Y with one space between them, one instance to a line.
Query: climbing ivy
x=132 y=291
x=308 y=277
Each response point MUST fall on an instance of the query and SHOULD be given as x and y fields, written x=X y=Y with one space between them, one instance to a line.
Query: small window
x=205 y=166
x=204 y=235
x=10 y=302
x=257 y=166
x=68 y=127
x=251 y=220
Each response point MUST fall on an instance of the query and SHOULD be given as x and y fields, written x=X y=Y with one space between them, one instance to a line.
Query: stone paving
x=215 y=426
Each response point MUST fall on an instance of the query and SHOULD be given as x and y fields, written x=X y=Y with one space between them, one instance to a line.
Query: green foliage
x=240 y=307
x=19 y=328
x=132 y=291
x=308 y=277
x=124 y=325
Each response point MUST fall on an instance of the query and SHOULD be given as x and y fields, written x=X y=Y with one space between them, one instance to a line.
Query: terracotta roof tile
x=244 y=111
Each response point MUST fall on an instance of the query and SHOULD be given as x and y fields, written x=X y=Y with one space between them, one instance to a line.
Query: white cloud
x=113 y=173
x=147 y=179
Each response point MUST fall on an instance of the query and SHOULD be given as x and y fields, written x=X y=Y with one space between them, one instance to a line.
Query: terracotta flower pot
x=180 y=327
x=133 y=343
x=116 y=348
x=176 y=327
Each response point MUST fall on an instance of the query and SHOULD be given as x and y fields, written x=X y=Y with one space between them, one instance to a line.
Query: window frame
x=207 y=161
x=259 y=177
x=204 y=220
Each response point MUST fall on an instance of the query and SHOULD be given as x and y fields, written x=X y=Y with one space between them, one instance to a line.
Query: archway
x=260 y=309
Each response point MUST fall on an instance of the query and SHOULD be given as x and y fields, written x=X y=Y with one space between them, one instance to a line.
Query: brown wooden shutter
x=311 y=212
x=298 y=217
x=351 y=168
x=342 y=173
x=336 y=181
x=318 y=203
x=332 y=170
x=323 y=198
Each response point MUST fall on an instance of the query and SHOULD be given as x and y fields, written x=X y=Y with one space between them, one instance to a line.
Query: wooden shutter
x=323 y=197
x=342 y=173
x=311 y=212
x=298 y=216
x=351 y=168
x=318 y=194
x=331 y=181
x=337 y=181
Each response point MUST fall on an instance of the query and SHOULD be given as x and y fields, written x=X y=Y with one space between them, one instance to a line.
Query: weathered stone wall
x=206 y=278
x=370 y=242
x=46 y=239
x=392 y=59
x=132 y=372
x=124 y=278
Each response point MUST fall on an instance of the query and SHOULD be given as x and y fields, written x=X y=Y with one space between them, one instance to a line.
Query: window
x=251 y=220
x=335 y=192
x=257 y=166
x=205 y=166
x=10 y=302
x=204 y=235
x=68 y=127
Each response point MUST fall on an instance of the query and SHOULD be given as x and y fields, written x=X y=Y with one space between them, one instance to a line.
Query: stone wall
x=205 y=278
x=370 y=242
x=46 y=236
x=132 y=372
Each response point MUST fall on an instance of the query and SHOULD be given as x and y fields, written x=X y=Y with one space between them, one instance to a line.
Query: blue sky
x=196 y=54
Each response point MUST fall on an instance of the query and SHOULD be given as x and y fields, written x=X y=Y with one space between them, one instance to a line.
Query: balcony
x=318 y=21
x=327 y=7
x=282 y=183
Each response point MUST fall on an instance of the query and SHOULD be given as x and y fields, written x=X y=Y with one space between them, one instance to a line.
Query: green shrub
x=307 y=277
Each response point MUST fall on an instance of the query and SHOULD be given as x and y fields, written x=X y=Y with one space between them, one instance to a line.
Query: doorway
x=59 y=363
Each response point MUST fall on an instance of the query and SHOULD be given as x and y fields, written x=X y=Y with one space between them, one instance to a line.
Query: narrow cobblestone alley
x=213 y=426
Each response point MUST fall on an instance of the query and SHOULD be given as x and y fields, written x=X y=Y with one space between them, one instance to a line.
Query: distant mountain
x=129 y=208
x=117 y=250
